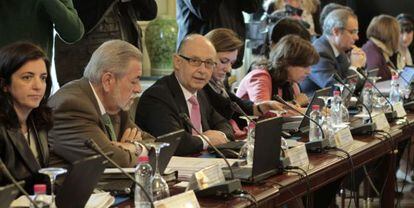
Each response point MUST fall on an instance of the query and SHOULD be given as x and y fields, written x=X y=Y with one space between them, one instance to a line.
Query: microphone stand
x=187 y=120
x=311 y=146
x=13 y=180
x=92 y=145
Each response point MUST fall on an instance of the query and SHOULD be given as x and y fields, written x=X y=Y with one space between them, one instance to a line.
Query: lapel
x=202 y=102
x=87 y=89
x=179 y=100
x=19 y=142
x=341 y=61
x=43 y=148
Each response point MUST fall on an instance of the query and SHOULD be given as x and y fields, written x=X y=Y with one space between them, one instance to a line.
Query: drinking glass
x=160 y=189
x=52 y=173
x=248 y=148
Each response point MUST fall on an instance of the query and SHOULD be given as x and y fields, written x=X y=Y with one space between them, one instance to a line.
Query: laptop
x=79 y=183
x=266 y=153
x=8 y=193
x=119 y=184
x=302 y=126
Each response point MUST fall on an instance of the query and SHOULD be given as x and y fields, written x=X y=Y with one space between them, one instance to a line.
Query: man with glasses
x=338 y=54
x=96 y=107
x=161 y=106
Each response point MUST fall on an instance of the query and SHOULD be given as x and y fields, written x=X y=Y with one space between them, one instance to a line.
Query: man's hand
x=127 y=146
x=131 y=135
x=358 y=57
x=215 y=137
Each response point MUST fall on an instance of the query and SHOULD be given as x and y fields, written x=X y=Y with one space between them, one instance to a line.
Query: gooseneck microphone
x=376 y=88
x=187 y=120
x=238 y=109
x=338 y=79
x=13 y=180
x=279 y=99
x=92 y=145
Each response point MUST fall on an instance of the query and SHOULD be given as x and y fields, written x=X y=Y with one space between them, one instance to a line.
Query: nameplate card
x=185 y=200
x=206 y=177
x=381 y=122
x=343 y=137
x=399 y=108
x=297 y=155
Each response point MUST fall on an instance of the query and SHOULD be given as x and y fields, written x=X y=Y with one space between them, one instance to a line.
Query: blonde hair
x=224 y=40
x=310 y=6
x=386 y=29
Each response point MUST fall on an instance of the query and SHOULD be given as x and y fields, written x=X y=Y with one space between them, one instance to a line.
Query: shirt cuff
x=205 y=144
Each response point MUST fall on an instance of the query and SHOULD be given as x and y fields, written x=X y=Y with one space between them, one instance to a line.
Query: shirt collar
x=335 y=50
x=187 y=94
x=101 y=107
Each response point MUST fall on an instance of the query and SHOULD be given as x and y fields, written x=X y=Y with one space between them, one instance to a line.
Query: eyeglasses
x=352 y=32
x=209 y=64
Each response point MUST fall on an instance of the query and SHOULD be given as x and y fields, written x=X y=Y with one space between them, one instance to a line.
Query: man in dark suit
x=340 y=31
x=160 y=106
x=96 y=107
x=201 y=16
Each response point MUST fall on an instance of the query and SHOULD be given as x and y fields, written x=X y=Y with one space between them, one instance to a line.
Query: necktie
x=109 y=127
x=195 y=115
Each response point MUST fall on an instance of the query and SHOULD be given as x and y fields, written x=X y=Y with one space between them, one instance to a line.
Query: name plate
x=381 y=122
x=343 y=137
x=186 y=200
x=297 y=155
x=399 y=108
x=206 y=177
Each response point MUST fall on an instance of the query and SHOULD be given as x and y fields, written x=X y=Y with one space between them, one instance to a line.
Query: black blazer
x=19 y=159
x=159 y=109
x=223 y=105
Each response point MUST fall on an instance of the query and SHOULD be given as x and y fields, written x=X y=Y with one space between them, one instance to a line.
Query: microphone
x=393 y=113
x=13 y=180
x=338 y=79
x=92 y=145
x=312 y=146
x=187 y=120
x=238 y=109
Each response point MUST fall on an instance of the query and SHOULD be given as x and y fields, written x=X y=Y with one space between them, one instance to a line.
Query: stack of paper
x=100 y=200
x=186 y=166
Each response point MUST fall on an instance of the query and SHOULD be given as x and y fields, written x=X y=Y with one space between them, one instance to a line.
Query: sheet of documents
x=186 y=166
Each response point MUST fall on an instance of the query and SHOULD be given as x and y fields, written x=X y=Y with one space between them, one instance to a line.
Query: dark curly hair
x=12 y=58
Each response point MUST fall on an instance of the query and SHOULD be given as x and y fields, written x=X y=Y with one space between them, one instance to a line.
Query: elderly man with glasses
x=161 y=106
x=338 y=54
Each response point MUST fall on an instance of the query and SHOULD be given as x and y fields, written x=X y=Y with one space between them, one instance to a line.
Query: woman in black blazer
x=24 y=117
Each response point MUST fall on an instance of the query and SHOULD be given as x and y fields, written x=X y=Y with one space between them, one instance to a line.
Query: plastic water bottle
x=367 y=97
x=336 y=109
x=40 y=197
x=315 y=133
x=143 y=174
x=395 y=91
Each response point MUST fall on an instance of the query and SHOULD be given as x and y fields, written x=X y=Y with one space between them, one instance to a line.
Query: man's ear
x=108 y=81
x=336 y=31
x=176 y=61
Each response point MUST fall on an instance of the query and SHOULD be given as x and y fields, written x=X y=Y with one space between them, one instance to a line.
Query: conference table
x=323 y=169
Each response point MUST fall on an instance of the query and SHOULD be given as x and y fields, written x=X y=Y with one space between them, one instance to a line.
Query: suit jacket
x=321 y=73
x=375 y=59
x=223 y=106
x=159 y=109
x=18 y=157
x=201 y=16
x=77 y=118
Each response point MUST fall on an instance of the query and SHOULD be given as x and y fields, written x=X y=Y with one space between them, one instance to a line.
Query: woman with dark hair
x=24 y=116
x=406 y=22
x=227 y=44
x=290 y=63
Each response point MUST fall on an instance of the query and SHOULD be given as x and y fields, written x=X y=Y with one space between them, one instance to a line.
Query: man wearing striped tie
x=161 y=106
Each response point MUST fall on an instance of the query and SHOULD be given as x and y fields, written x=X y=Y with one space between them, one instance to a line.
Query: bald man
x=160 y=106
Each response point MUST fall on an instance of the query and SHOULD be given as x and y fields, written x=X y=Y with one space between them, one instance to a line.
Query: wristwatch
x=138 y=147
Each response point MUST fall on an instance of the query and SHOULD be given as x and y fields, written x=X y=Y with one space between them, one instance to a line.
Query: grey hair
x=112 y=56
x=338 y=18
